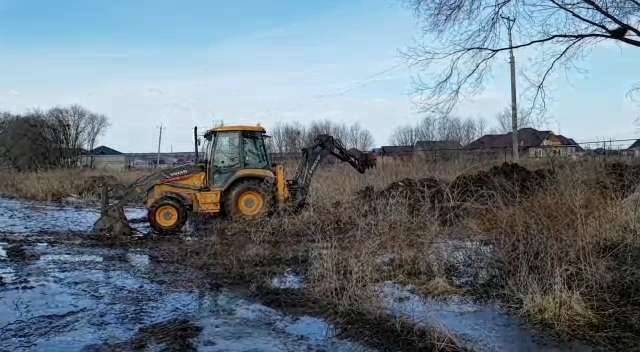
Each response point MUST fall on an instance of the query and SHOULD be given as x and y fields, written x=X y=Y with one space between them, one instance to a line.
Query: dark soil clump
x=506 y=182
x=17 y=252
x=620 y=179
x=418 y=193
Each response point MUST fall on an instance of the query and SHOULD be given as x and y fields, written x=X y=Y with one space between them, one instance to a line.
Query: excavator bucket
x=113 y=222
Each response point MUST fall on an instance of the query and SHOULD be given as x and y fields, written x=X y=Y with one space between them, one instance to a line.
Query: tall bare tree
x=358 y=137
x=444 y=128
x=96 y=126
x=464 y=38
x=525 y=119
x=290 y=137
x=55 y=138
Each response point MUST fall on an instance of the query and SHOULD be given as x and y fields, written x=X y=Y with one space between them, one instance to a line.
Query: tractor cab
x=230 y=149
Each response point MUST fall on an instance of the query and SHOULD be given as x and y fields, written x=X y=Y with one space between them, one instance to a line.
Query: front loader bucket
x=113 y=222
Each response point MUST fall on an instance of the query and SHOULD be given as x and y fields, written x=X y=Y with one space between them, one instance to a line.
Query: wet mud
x=67 y=296
x=62 y=295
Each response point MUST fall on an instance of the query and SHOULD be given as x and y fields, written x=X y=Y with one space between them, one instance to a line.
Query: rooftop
x=238 y=128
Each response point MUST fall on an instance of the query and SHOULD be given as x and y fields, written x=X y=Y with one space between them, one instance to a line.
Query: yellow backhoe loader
x=234 y=178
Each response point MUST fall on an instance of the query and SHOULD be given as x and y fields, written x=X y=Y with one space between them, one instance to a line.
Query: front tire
x=249 y=200
x=167 y=216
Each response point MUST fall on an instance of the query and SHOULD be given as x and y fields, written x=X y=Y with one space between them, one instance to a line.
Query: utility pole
x=159 y=144
x=514 y=102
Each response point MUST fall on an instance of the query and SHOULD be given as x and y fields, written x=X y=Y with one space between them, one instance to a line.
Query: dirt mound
x=418 y=192
x=506 y=182
x=620 y=179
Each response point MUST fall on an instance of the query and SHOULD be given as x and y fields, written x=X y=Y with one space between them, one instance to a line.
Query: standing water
x=65 y=298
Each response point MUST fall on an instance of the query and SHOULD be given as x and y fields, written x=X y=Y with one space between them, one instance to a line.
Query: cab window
x=227 y=151
x=255 y=154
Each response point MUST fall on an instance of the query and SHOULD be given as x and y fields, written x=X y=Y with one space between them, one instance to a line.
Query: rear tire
x=167 y=216
x=249 y=200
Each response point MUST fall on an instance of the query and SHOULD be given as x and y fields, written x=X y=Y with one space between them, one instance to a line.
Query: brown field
x=565 y=246
x=56 y=185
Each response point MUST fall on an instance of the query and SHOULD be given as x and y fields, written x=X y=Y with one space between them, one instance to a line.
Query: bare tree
x=292 y=137
x=404 y=135
x=338 y=130
x=358 y=137
x=464 y=38
x=288 y=137
x=56 y=138
x=444 y=128
x=525 y=119
x=96 y=126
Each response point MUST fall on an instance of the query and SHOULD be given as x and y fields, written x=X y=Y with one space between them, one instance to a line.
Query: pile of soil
x=419 y=192
x=620 y=179
x=507 y=182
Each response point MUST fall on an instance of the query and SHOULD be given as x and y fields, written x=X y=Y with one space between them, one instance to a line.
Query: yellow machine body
x=193 y=189
x=235 y=178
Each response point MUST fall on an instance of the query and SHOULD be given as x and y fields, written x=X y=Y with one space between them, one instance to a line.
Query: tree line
x=460 y=130
x=291 y=137
x=55 y=138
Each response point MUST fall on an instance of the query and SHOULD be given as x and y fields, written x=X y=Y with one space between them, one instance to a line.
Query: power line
x=362 y=82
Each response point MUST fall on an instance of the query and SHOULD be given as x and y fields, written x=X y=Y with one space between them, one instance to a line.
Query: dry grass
x=568 y=255
x=56 y=185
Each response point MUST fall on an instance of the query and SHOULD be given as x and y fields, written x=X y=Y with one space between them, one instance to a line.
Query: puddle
x=288 y=280
x=93 y=299
x=138 y=260
x=71 y=258
x=479 y=327
x=20 y=217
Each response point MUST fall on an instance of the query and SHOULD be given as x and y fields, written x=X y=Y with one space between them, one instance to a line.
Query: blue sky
x=189 y=63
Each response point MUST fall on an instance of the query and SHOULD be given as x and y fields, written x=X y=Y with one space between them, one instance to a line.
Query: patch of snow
x=71 y=258
x=288 y=280
x=480 y=327
x=138 y=260
x=310 y=328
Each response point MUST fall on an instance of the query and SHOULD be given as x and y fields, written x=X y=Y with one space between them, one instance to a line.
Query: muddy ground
x=62 y=289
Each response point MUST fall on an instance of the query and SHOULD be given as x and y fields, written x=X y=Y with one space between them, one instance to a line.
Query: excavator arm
x=313 y=155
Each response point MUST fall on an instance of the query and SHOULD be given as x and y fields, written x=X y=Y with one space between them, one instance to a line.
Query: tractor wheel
x=167 y=216
x=249 y=200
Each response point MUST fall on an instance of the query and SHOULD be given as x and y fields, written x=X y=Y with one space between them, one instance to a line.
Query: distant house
x=634 y=150
x=437 y=145
x=532 y=143
x=437 y=150
x=103 y=157
x=149 y=160
x=104 y=150
x=395 y=152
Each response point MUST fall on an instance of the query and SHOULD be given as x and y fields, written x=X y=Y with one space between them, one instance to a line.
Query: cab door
x=225 y=158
